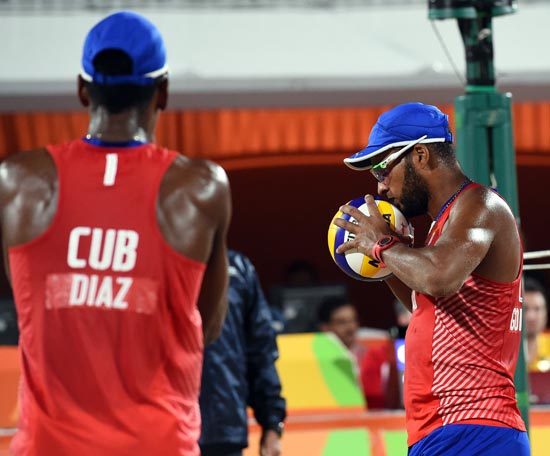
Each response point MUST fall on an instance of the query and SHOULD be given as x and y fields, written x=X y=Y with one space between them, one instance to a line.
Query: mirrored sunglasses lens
x=378 y=174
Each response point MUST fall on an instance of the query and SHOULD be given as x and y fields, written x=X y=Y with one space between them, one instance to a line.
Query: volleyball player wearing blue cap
x=117 y=253
x=463 y=287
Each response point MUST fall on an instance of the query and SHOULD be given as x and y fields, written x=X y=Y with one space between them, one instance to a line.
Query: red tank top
x=459 y=368
x=110 y=334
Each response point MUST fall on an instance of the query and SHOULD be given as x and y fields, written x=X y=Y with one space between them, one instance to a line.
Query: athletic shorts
x=472 y=440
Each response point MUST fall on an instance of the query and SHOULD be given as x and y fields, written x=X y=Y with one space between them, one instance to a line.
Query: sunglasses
x=383 y=169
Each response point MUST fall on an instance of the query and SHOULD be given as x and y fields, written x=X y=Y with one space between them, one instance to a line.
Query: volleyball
x=354 y=263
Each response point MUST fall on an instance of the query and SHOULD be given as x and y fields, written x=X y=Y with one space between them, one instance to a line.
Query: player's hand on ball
x=367 y=229
x=356 y=227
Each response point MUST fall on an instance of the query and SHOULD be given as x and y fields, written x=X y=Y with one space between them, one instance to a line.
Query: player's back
x=110 y=334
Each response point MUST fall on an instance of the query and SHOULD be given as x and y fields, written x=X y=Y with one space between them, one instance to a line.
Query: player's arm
x=7 y=194
x=193 y=213
x=32 y=174
x=212 y=303
x=441 y=270
x=438 y=270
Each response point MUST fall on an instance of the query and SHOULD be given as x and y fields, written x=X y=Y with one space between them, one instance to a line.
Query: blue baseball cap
x=137 y=37
x=402 y=126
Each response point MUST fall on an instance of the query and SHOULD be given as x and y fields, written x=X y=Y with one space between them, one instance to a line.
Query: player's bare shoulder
x=496 y=206
x=195 y=180
x=486 y=219
x=31 y=173
x=484 y=207
x=194 y=199
x=28 y=195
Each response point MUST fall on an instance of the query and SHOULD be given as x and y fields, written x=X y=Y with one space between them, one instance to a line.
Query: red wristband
x=382 y=244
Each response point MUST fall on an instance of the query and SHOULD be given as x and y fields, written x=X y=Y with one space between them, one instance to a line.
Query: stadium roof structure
x=346 y=54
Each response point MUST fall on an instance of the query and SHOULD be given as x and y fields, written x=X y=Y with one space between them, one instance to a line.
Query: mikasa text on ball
x=354 y=263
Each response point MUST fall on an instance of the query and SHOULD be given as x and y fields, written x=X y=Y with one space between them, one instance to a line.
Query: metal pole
x=484 y=133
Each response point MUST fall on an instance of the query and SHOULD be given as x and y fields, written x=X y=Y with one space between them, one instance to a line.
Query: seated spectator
x=338 y=316
x=379 y=377
x=535 y=314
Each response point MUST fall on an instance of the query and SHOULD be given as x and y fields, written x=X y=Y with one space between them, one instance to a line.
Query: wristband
x=382 y=244
x=277 y=427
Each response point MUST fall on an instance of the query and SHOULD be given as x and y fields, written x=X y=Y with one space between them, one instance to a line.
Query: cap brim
x=362 y=160
x=140 y=80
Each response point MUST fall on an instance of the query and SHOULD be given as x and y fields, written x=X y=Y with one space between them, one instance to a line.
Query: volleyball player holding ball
x=463 y=286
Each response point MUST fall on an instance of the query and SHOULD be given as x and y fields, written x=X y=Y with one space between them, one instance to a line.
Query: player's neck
x=121 y=127
x=447 y=189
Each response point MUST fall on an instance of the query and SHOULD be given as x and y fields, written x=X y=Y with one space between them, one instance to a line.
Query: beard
x=415 y=194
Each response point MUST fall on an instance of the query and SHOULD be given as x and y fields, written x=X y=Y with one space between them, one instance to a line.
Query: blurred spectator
x=338 y=316
x=379 y=377
x=239 y=370
x=535 y=313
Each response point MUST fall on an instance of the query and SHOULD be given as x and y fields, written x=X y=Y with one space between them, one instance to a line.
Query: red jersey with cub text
x=110 y=334
x=461 y=353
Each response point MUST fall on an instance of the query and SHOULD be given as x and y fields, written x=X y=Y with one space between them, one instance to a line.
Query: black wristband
x=277 y=427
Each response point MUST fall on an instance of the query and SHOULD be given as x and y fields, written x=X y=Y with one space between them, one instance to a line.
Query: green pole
x=483 y=123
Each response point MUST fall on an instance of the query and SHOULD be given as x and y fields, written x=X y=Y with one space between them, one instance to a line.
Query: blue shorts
x=472 y=440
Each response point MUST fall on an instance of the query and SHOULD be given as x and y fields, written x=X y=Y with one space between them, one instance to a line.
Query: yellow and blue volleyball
x=354 y=263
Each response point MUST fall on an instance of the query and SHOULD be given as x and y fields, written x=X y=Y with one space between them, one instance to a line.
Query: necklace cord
x=451 y=199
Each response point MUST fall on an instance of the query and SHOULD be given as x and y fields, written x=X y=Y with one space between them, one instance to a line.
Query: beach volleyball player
x=117 y=251
x=463 y=287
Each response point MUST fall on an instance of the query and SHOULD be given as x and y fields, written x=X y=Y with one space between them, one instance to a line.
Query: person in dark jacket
x=239 y=370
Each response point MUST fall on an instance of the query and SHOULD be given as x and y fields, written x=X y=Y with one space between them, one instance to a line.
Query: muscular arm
x=213 y=302
x=213 y=295
x=28 y=197
x=480 y=235
x=194 y=212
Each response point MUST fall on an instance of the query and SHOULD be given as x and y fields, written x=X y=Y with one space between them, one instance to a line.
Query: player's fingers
x=345 y=224
x=345 y=246
x=352 y=211
x=371 y=204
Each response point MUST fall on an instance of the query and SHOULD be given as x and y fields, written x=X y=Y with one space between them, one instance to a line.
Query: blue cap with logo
x=132 y=34
x=402 y=126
